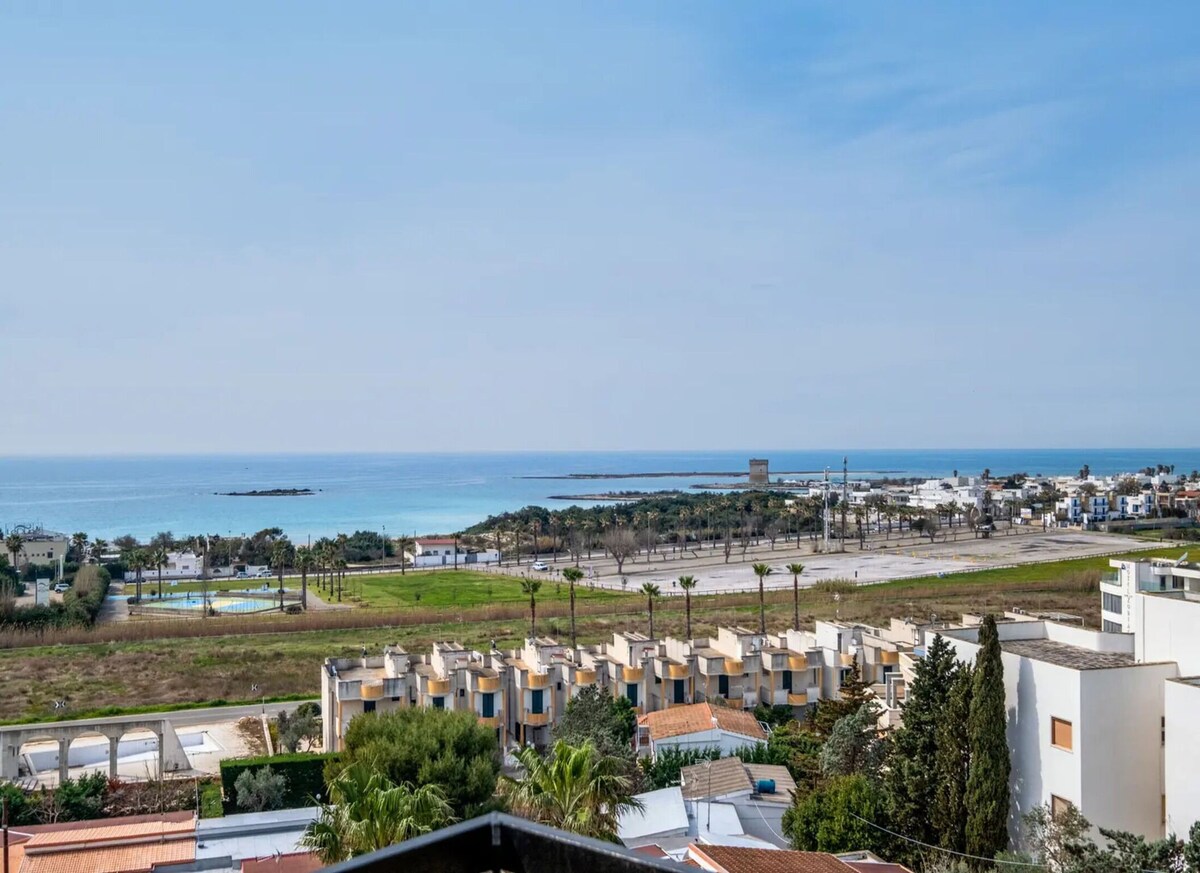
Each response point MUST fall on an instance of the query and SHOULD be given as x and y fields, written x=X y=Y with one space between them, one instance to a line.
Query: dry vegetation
x=283 y=656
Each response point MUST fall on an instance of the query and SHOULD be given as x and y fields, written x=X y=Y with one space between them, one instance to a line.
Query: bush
x=261 y=789
x=429 y=746
x=304 y=775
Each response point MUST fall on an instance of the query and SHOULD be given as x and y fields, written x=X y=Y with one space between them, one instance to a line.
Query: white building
x=447 y=552
x=699 y=726
x=179 y=565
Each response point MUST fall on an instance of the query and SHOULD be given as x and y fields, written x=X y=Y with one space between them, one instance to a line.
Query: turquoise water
x=194 y=602
x=426 y=493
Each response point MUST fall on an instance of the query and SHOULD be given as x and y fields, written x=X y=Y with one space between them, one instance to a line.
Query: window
x=439 y=703
x=723 y=685
x=787 y=680
x=1061 y=734
x=536 y=701
x=1112 y=603
x=488 y=705
x=462 y=692
x=631 y=692
x=680 y=690
x=368 y=706
x=1058 y=806
x=1111 y=627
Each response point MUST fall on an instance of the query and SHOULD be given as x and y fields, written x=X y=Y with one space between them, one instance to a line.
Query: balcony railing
x=633 y=674
x=538 y=680
x=733 y=667
x=535 y=719
x=678 y=671
x=797 y=699
x=437 y=687
x=585 y=677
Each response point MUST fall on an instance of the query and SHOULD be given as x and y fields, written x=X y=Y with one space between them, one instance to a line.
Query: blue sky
x=441 y=226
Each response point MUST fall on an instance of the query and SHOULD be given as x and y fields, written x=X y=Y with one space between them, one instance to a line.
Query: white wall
x=1119 y=740
x=1165 y=629
x=1182 y=756
x=715 y=739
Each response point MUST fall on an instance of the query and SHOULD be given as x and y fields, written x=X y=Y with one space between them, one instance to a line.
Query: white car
x=61 y=588
x=541 y=566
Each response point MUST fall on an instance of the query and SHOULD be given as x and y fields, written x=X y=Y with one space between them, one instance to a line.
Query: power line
x=961 y=854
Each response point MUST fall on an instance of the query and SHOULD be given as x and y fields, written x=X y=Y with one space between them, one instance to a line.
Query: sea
x=437 y=493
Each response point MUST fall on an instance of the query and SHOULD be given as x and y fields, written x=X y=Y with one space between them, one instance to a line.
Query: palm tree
x=652 y=593
x=687 y=583
x=158 y=559
x=762 y=571
x=98 y=548
x=139 y=561
x=795 y=570
x=531 y=587
x=573 y=788
x=339 y=564
x=13 y=542
x=304 y=562
x=369 y=812
x=403 y=544
x=79 y=543
x=572 y=575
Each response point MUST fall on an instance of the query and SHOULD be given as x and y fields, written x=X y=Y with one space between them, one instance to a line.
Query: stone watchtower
x=758 y=471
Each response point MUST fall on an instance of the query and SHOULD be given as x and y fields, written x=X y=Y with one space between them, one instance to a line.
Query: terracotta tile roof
x=876 y=867
x=105 y=833
x=295 y=862
x=109 y=822
x=140 y=858
x=714 y=779
x=680 y=720
x=737 y=859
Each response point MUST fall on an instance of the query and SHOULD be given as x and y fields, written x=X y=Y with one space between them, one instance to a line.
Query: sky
x=294 y=226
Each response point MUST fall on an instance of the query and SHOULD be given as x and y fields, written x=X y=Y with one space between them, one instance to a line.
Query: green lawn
x=463 y=588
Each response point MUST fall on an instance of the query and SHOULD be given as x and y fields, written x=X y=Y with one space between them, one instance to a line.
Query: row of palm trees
x=652 y=592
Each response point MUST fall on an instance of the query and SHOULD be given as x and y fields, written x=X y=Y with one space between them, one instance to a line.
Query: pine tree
x=988 y=799
x=853 y=694
x=948 y=815
x=912 y=775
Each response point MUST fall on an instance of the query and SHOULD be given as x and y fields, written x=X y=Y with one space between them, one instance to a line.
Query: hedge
x=305 y=774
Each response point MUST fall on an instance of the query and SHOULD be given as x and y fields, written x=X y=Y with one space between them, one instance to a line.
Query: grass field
x=168 y=671
x=425 y=588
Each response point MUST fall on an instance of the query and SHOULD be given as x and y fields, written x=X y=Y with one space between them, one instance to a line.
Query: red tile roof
x=295 y=862
x=698 y=717
x=738 y=859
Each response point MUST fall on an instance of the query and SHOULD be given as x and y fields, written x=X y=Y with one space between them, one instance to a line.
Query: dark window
x=679 y=691
x=723 y=685
x=462 y=692
x=439 y=703
x=1111 y=627
x=787 y=680
x=1112 y=603
x=631 y=691
x=535 y=705
x=368 y=706
x=560 y=686
x=489 y=705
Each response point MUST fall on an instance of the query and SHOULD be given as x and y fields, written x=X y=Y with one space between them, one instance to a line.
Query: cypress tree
x=912 y=775
x=987 y=799
x=948 y=817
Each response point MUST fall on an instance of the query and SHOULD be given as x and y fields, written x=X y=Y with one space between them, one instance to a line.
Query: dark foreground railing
x=497 y=842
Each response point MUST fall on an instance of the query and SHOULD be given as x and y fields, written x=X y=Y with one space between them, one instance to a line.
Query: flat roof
x=1066 y=655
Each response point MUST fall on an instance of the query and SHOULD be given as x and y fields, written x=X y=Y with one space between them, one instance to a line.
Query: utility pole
x=825 y=510
x=845 y=474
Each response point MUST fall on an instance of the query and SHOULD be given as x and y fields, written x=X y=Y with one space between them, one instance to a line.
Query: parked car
x=541 y=566
x=263 y=574
x=61 y=588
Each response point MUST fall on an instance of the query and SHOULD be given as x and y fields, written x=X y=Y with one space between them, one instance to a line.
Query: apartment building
x=522 y=693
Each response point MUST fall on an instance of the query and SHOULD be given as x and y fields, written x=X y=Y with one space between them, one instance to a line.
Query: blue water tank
x=766 y=786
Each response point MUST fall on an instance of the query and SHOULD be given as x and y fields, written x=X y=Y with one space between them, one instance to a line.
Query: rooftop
x=1066 y=655
x=736 y=859
x=731 y=776
x=699 y=717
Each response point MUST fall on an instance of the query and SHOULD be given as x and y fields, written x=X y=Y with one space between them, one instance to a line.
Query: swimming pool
x=221 y=603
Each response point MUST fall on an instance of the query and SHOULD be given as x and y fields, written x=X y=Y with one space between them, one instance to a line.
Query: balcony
x=585 y=677
x=678 y=671
x=800 y=662
x=535 y=719
x=372 y=690
x=487 y=683
x=438 y=687
x=733 y=667
x=633 y=674
x=846 y=660
x=492 y=722
x=797 y=699
x=538 y=680
x=886 y=657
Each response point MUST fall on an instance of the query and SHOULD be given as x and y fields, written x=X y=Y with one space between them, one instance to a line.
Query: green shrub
x=305 y=775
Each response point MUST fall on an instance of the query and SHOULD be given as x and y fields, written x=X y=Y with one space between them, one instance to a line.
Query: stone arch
x=92 y=756
x=140 y=747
